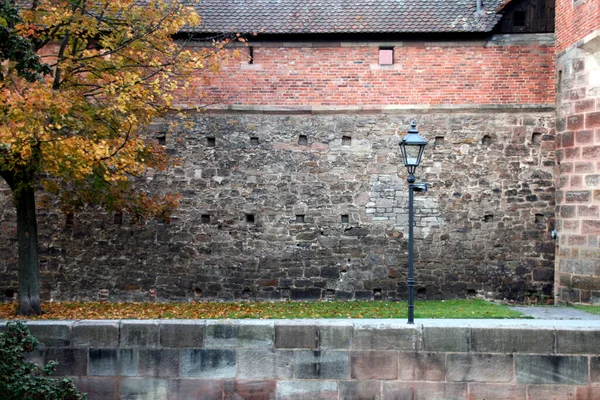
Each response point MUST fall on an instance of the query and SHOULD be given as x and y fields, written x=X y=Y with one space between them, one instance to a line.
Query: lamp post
x=412 y=146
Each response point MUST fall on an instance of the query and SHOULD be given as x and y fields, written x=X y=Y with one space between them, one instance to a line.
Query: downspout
x=479 y=12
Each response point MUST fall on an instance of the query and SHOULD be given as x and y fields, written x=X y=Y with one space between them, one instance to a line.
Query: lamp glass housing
x=412 y=147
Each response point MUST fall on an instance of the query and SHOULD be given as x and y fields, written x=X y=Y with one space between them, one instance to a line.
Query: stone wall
x=335 y=359
x=578 y=183
x=314 y=206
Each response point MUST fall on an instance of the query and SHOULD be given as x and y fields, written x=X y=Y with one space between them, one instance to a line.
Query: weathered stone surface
x=335 y=337
x=248 y=335
x=296 y=336
x=160 y=363
x=97 y=388
x=385 y=338
x=113 y=362
x=51 y=333
x=143 y=388
x=502 y=340
x=381 y=365
x=360 y=390
x=139 y=334
x=322 y=365
x=509 y=181
x=72 y=362
x=499 y=391
x=296 y=390
x=265 y=363
x=195 y=389
x=479 y=368
x=436 y=338
x=578 y=341
x=552 y=392
x=565 y=370
x=250 y=390
x=182 y=334
x=424 y=391
x=422 y=366
x=595 y=369
x=207 y=363
x=95 y=334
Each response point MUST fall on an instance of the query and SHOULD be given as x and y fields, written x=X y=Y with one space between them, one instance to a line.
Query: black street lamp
x=412 y=146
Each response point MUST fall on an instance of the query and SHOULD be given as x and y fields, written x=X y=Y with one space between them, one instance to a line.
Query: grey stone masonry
x=265 y=216
x=325 y=359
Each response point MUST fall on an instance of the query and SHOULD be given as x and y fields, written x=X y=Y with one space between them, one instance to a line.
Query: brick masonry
x=577 y=276
x=314 y=206
x=301 y=359
x=494 y=70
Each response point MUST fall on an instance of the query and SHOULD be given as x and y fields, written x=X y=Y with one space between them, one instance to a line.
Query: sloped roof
x=347 y=16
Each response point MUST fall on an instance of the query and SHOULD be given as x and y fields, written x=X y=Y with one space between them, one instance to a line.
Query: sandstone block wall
x=578 y=151
x=283 y=206
x=336 y=359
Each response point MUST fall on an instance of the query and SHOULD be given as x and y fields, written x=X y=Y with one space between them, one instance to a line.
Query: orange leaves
x=116 y=69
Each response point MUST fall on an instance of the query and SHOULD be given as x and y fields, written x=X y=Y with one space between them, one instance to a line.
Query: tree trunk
x=29 y=290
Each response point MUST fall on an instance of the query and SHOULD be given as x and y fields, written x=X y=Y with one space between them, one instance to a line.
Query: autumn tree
x=79 y=83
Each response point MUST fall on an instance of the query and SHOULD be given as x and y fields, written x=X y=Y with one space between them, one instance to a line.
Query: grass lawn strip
x=590 y=309
x=265 y=310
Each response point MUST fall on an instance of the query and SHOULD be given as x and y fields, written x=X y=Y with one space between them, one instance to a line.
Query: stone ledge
x=378 y=109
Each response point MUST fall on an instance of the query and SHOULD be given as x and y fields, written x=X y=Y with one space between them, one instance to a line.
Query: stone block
x=101 y=334
x=181 y=334
x=97 y=388
x=512 y=340
x=577 y=341
x=71 y=362
x=424 y=391
x=322 y=365
x=552 y=392
x=195 y=389
x=483 y=391
x=564 y=370
x=242 y=390
x=207 y=363
x=365 y=365
x=588 y=393
x=385 y=338
x=446 y=339
x=335 y=337
x=51 y=334
x=265 y=363
x=479 y=368
x=161 y=363
x=360 y=390
x=296 y=336
x=296 y=390
x=422 y=366
x=139 y=334
x=595 y=369
x=143 y=388
x=113 y=362
x=305 y=294
x=239 y=335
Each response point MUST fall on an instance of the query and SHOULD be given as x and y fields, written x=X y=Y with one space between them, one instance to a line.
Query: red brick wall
x=432 y=75
x=575 y=20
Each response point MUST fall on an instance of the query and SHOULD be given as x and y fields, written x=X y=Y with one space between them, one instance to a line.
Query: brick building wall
x=499 y=71
x=575 y=19
x=578 y=152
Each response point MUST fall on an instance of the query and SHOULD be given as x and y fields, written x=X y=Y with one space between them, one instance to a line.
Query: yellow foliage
x=116 y=68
